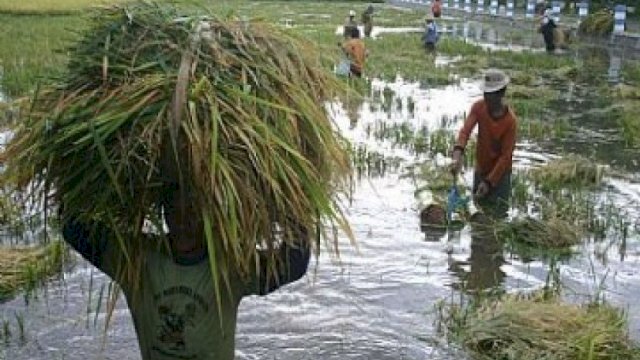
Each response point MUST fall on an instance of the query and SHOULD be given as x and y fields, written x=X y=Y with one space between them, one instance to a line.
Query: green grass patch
x=31 y=48
x=51 y=6
x=630 y=125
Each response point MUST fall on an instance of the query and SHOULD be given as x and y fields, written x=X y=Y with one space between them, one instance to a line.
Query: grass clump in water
x=630 y=125
x=232 y=111
x=553 y=233
x=569 y=171
x=24 y=268
x=539 y=326
x=437 y=179
x=598 y=23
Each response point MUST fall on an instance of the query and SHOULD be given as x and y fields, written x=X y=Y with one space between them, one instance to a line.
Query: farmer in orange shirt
x=355 y=50
x=496 y=141
x=436 y=8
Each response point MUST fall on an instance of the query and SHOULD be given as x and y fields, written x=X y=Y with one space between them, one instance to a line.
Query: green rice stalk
x=232 y=112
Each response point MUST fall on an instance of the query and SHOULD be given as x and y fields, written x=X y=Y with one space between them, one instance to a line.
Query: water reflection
x=493 y=37
x=352 y=105
x=615 y=64
x=482 y=270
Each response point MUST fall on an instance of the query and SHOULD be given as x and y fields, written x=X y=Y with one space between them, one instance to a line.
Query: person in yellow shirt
x=355 y=50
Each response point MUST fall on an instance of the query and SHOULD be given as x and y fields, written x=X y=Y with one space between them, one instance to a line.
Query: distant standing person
x=540 y=7
x=436 y=8
x=367 y=21
x=350 y=24
x=548 y=28
x=430 y=36
x=355 y=50
x=496 y=141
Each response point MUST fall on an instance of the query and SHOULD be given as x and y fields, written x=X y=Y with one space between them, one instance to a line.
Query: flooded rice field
x=377 y=301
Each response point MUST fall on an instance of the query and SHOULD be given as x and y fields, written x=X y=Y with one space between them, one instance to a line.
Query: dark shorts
x=355 y=71
x=496 y=203
x=431 y=47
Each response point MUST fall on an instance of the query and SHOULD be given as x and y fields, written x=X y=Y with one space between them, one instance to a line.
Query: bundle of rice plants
x=537 y=327
x=572 y=170
x=432 y=177
x=598 y=23
x=553 y=233
x=232 y=112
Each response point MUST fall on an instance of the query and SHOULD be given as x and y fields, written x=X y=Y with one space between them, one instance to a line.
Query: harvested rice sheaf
x=532 y=328
x=598 y=23
x=572 y=170
x=553 y=233
x=232 y=111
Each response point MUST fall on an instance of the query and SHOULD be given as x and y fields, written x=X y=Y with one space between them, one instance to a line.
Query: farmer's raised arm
x=95 y=243
x=295 y=261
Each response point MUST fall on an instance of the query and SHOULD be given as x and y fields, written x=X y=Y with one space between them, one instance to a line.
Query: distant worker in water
x=349 y=24
x=367 y=21
x=496 y=123
x=436 y=8
x=548 y=29
x=541 y=5
x=356 y=52
x=430 y=36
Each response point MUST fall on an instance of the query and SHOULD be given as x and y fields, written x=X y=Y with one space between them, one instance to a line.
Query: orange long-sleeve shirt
x=356 y=51
x=496 y=141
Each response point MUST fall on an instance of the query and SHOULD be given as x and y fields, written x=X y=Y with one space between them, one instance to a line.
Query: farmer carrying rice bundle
x=355 y=52
x=213 y=129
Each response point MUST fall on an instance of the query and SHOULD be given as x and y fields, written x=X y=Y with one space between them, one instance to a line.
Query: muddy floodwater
x=377 y=300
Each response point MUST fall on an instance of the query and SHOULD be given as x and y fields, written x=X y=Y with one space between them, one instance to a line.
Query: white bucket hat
x=493 y=80
x=352 y=13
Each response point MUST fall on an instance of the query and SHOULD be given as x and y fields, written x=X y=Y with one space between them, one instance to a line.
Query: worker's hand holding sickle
x=456 y=166
x=483 y=189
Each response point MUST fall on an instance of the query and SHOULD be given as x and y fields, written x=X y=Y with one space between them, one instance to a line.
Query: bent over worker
x=496 y=123
x=355 y=50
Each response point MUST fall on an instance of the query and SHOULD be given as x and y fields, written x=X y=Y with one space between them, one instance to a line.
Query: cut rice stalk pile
x=231 y=112
x=553 y=233
x=572 y=170
x=519 y=327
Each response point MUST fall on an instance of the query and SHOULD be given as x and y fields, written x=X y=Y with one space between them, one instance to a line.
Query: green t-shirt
x=173 y=302
x=175 y=311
